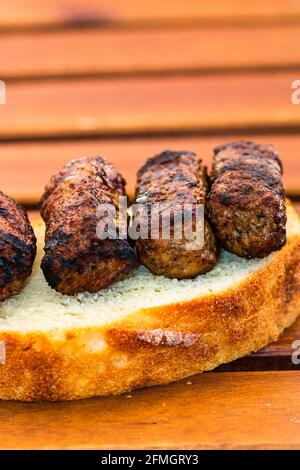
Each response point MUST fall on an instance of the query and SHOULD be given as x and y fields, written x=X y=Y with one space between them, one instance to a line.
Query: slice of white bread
x=146 y=330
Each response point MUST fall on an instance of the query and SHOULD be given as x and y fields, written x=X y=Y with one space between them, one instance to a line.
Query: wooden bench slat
x=148 y=105
x=27 y=167
x=34 y=13
x=85 y=52
x=255 y=410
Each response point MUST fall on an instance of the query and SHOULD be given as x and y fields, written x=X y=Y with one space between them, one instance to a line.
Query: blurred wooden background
x=126 y=79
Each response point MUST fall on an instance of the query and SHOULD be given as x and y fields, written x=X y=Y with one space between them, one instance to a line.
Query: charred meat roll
x=17 y=247
x=76 y=259
x=174 y=179
x=246 y=202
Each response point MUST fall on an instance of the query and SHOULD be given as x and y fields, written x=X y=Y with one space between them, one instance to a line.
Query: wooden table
x=126 y=79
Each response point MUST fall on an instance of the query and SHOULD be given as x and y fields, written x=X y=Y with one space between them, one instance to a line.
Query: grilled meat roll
x=246 y=203
x=17 y=247
x=173 y=178
x=76 y=259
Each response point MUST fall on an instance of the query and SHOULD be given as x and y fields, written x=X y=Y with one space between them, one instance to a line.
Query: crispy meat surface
x=174 y=178
x=246 y=202
x=76 y=258
x=17 y=247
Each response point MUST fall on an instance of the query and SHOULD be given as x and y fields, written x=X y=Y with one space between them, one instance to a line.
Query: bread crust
x=146 y=349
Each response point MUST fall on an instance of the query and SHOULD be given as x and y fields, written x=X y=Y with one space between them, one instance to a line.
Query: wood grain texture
x=34 y=13
x=148 y=105
x=102 y=52
x=27 y=167
x=211 y=411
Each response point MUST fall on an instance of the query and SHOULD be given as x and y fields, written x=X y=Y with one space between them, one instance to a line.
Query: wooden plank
x=27 y=167
x=148 y=105
x=209 y=411
x=84 y=52
x=34 y=13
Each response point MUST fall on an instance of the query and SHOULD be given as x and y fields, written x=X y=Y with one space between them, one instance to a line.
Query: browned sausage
x=17 y=247
x=247 y=201
x=174 y=178
x=76 y=260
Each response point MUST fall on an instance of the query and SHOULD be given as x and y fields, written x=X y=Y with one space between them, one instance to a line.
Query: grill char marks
x=17 y=247
x=76 y=259
x=174 y=178
x=246 y=203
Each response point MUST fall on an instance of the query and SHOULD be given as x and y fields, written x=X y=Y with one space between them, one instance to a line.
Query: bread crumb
x=189 y=383
x=128 y=396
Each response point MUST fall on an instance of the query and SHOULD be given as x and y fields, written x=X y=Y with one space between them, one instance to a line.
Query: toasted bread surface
x=146 y=330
